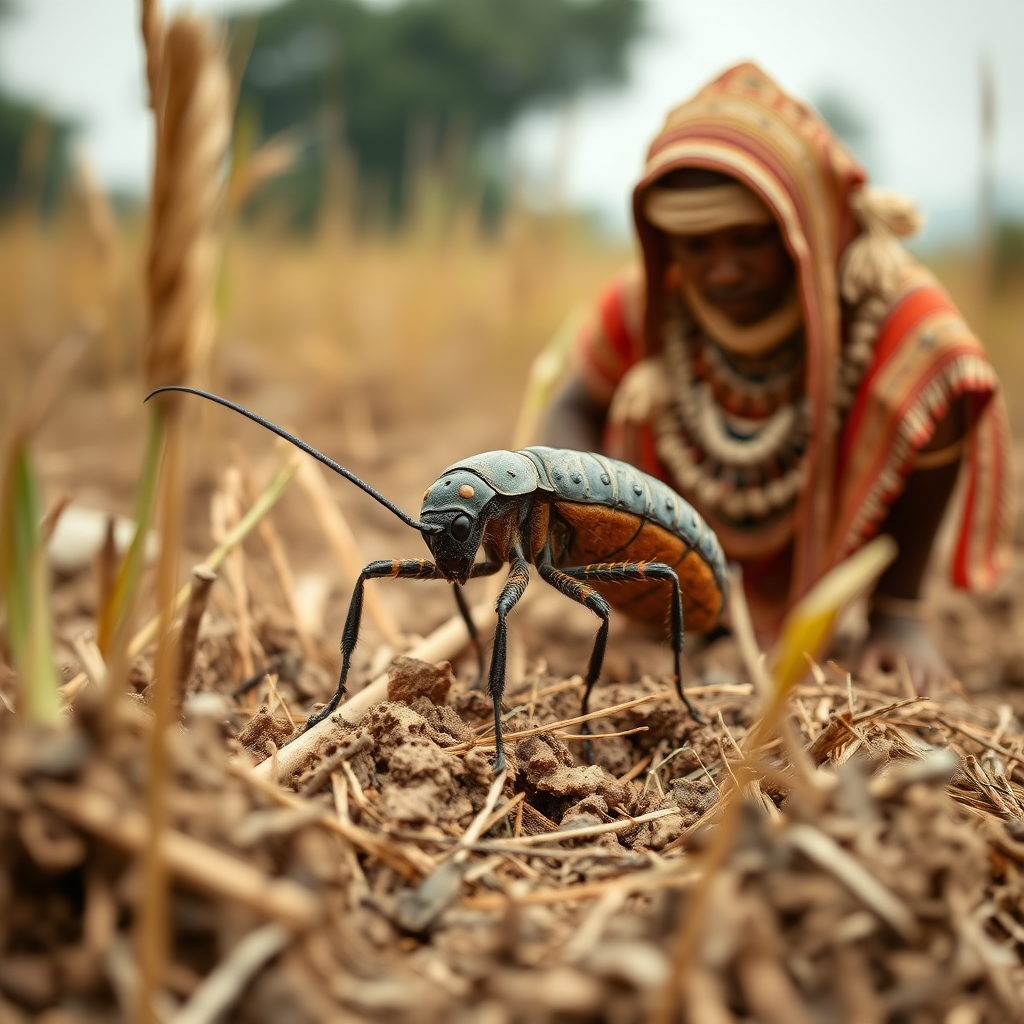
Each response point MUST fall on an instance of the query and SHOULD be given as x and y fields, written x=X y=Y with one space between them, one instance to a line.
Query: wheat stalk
x=190 y=97
x=193 y=128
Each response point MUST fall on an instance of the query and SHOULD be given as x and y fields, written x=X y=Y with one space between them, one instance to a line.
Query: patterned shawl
x=925 y=357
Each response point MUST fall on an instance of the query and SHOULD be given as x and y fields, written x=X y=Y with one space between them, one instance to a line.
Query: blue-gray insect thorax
x=508 y=473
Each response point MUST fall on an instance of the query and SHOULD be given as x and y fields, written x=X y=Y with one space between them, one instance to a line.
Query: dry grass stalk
x=443 y=644
x=279 y=560
x=91 y=659
x=189 y=94
x=408 y=862
x=152 y=28
x=555 y=727
x=195 y=863
x=344 y=545
x=225 y=513
x=106 y=271
x=193 y=126
x=216 y=558
x=53 y=514
x=153 y=925
x=222 y=987
x=145 y=636
x=203 y=580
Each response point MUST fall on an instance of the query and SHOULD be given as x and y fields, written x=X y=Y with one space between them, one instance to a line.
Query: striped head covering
x=841 y=237
x=745 y=126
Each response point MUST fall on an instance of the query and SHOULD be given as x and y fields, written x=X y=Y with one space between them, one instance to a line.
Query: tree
x=451 y=72
x=33 y=149
x=843 y=117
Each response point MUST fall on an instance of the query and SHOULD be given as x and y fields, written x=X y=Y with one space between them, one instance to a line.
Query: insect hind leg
x=564 y=582
x=630 y=572
x=393 y=568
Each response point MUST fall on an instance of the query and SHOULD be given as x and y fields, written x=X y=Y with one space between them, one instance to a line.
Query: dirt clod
x=409 y=678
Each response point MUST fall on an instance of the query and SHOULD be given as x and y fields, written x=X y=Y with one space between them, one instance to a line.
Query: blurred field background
x=387 y=267
x=386 y=275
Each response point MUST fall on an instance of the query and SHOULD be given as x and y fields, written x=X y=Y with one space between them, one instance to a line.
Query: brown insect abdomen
x=601 y=534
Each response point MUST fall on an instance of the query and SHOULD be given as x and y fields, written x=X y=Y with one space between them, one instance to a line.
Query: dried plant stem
x=189 y=94
x=193 y=862
x=152 y=36
x=974 y=736
x=279 y=560
x=115 y=620
x=828 y=854
x=406 y=861
x=213 y=562
x=91 y=660
x=222 y=987
x=484 y=741
x=226 y=514
x=53 y=514
x=344 y=545
x=202 y=582
x=216 y=558
x=444 y=643
x=153 y=922
x=583 y=736
x=607 y=828
x=478 y=825
x=643 y=881
x=684 y=952
x=773 y=718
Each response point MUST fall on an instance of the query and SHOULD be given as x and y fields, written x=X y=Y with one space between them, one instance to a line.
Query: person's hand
x=641 y=393
x=893 y=635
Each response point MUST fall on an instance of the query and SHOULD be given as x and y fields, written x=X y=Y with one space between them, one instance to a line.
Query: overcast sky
x=909 y=68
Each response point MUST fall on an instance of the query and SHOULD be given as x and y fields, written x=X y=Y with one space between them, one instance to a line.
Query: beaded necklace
x=735 y=435
x=741 y=468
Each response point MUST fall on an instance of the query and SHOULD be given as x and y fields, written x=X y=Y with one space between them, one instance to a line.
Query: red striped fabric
x=744 y=125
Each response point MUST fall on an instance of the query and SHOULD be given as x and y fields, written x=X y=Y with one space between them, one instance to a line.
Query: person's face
x=745 y=270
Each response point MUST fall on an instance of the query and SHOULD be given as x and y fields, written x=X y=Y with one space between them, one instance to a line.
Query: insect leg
x=486 y=568
x=628 y=572
x=518 y=577
x=474 y=639
x=395 y=568
x=589 y=598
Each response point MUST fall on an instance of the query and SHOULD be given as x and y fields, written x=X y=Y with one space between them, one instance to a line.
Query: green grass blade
x=114 y=617
x=26 y=590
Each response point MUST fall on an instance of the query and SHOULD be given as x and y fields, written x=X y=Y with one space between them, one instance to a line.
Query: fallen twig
x=224 y=984
x=196 y=863
x=540 y=730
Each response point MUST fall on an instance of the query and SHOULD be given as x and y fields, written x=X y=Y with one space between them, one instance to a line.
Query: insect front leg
x=515 y=585
x=488 y=567
x=395 y=568
x=630 y=572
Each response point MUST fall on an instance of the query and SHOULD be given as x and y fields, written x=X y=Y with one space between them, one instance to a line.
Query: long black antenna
x=309 y=450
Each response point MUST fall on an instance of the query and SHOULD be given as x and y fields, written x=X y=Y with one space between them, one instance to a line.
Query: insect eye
x=460 y=528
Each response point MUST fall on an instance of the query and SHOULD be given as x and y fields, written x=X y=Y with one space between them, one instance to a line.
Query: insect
x=598 y=530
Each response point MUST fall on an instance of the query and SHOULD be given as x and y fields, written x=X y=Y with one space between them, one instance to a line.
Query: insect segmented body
x=596 y=529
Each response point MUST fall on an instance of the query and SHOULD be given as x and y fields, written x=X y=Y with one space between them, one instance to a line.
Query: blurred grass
x=439 y=317
x=342 y=328
x=25 y=583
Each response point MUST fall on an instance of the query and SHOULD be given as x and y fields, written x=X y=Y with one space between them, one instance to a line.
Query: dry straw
x=190 y=97
x=192 y=109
